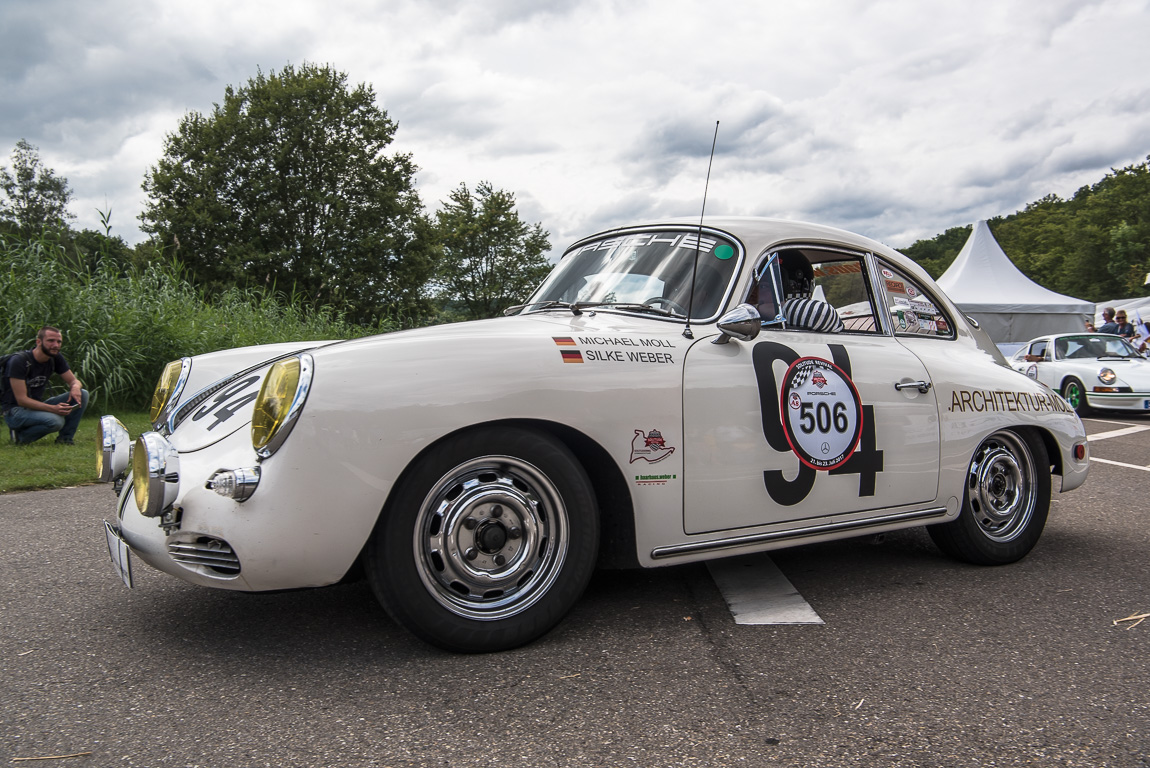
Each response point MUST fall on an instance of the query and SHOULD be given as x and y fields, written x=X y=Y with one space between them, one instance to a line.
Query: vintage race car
x=671 y=393
x=1091 y=370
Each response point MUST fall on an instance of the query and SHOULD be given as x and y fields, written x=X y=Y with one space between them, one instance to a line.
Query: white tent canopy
x=1009 y=306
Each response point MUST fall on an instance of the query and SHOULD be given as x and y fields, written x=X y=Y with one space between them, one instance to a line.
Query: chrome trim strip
x=679 y=550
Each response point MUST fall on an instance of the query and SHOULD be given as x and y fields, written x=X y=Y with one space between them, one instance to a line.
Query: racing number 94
x=818 y=416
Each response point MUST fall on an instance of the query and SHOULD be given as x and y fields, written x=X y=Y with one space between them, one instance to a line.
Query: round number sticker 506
x=822 y=413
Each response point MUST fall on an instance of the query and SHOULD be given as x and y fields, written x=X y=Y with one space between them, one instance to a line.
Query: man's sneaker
x=64 y=441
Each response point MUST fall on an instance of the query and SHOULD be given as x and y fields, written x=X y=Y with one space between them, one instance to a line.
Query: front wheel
x=1075 y=393
x=488 y=542
x=1005 y=504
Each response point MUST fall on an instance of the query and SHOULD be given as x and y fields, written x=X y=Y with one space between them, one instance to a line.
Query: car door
x=797 y=424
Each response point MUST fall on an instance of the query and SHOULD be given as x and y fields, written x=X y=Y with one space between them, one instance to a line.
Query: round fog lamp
x=155 y=474
x=115 y=449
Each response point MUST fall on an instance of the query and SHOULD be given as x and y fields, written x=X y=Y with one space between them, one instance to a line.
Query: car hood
x=223 y=406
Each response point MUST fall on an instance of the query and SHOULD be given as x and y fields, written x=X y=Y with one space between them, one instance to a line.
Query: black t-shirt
x=35 y=375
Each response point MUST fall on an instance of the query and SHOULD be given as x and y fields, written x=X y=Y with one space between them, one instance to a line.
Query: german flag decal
x=563 y=341
x=571 y=356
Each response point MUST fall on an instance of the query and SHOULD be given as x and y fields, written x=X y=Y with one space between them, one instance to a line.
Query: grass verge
x=43 y=464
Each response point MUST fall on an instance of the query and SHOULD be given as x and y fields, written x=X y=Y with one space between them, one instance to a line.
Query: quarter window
x=913 y=312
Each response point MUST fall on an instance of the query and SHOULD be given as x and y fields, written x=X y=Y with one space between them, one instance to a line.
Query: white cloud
x=896 y=119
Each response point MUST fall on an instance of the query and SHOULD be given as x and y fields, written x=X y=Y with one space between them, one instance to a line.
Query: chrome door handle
x=921 y=386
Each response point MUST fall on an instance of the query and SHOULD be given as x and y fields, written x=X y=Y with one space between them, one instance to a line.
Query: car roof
x=759 y=234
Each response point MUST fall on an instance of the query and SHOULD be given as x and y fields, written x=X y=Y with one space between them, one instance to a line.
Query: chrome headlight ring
x=281 y=431
x=168 y=412
x=155 y=474
x=1107 y=376
x=115 y=449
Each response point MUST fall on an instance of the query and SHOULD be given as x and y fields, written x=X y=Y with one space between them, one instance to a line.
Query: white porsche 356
x=1091 y=370
x=671 y=393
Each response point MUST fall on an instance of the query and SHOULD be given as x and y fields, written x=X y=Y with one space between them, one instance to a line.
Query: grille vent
x=206 y=552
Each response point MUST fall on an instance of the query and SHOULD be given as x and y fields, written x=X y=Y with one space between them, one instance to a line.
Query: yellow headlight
x=165 y=387
x=155 y=474
x=275 y=401
x=140 y=484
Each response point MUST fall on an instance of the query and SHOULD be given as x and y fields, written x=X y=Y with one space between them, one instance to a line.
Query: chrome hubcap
x=1000 y=486
x=491 y=537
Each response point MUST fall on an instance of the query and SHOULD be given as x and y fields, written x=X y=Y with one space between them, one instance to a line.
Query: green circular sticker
x=724 y=252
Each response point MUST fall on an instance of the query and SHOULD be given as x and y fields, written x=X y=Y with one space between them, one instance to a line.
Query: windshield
x=646 y=268
x=1090 y=346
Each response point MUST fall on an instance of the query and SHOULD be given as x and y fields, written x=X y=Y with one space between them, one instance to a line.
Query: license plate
x=1146 y=405
x=120 y=554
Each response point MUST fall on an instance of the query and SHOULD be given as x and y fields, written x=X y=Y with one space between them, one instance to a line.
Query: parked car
x=671 y=393
x=1091 y=370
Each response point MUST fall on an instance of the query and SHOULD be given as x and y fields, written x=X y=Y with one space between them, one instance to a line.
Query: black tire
x=1005 y=504
x=1074 y=393
x=487 y=542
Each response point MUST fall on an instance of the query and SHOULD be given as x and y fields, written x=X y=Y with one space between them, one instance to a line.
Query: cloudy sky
x=897 y=119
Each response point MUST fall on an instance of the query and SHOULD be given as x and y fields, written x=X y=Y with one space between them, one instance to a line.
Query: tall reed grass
x=122 y=324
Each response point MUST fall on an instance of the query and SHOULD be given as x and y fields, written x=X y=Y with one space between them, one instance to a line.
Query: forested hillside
x=1094 y=246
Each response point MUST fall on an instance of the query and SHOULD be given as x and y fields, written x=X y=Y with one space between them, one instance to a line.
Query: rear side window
x=913 y=312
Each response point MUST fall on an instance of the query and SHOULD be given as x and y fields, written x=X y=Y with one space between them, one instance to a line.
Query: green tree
x=490 y=257
x=286 y=184
x=936 y=255
x=35 y=198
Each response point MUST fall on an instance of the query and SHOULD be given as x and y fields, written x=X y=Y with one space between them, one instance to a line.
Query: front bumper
x=280 y=538
x=1119 y=401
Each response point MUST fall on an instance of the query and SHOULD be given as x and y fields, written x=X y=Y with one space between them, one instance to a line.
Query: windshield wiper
x=578 y=307
x=539 y=306
x=633 y=307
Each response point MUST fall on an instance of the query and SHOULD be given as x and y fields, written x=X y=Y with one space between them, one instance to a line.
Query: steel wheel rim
x=491 y=538
x=1073 y=395
x=1001 y=488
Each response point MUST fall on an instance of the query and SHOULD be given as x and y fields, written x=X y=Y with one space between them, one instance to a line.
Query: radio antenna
x=698 y=239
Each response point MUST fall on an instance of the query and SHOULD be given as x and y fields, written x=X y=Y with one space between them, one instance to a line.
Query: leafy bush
x=123 y=323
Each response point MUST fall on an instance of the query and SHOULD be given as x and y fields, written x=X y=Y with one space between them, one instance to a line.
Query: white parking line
x=1117 y=433
x=1121 y=464
x=757 y=592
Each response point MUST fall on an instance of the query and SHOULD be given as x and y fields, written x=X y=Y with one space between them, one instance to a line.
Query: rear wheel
x=1005 y=504
x=488 y=542
x=1075 y=393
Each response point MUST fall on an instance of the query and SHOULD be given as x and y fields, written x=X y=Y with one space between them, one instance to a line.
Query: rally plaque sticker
x=822 y=413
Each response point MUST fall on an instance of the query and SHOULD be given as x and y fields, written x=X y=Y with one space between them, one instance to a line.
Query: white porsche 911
x=671 y=393
x=1091 y=370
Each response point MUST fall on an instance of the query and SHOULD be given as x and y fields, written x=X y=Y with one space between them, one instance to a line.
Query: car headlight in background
x=1107 y=376
x=168 y=389
x=115 y=449
x=279 y=403
x=155 y=474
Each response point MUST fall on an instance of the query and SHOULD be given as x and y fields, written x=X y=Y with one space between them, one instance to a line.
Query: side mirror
x=741 y=323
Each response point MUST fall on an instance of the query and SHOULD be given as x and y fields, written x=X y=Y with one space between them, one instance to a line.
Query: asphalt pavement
x=921 y=661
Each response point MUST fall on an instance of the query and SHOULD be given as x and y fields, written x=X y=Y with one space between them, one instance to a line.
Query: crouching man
x=26 y=412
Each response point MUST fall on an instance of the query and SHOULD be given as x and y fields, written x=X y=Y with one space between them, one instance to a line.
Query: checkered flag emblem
x=801 y=376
